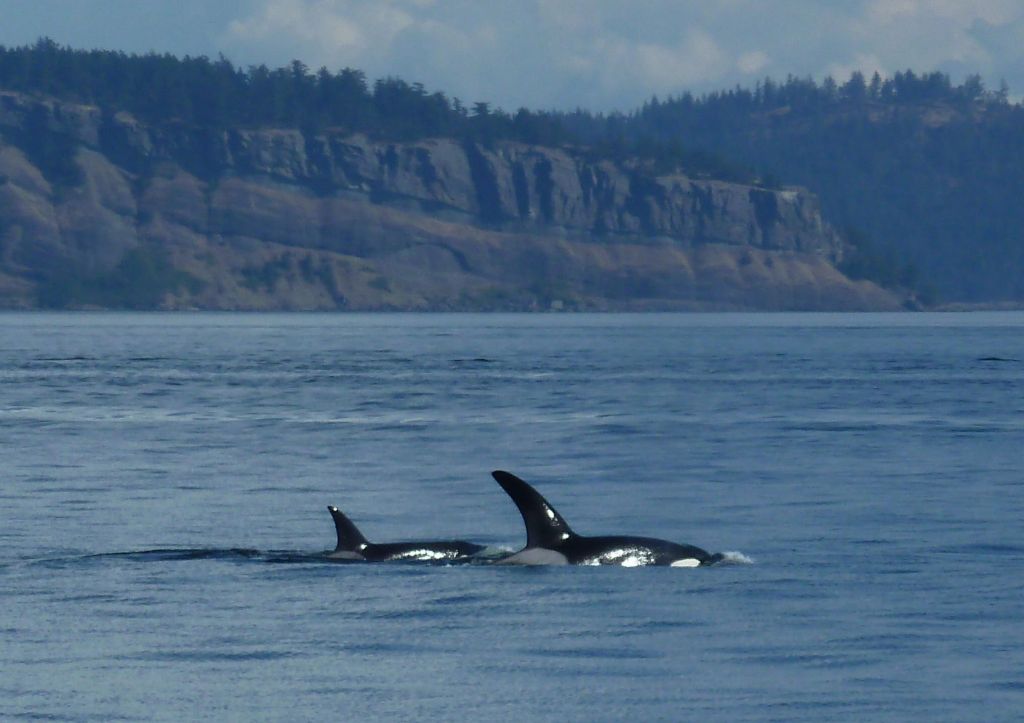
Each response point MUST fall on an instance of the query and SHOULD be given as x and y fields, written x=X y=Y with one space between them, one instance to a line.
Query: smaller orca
x=353 y=546
x=550 y=541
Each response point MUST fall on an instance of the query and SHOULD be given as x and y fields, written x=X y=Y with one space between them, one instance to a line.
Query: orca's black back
x=425 y=550
x=649 y=550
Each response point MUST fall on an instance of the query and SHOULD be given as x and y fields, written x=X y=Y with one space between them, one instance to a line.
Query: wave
x=173 y=554
x=735 y=557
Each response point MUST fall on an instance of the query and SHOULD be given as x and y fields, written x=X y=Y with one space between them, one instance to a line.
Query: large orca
x=353 y=546
x=550 y=541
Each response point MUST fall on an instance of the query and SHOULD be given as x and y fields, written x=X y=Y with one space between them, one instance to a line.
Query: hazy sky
x=597 y=54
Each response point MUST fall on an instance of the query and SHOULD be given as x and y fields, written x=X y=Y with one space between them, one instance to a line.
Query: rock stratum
x=99 y=210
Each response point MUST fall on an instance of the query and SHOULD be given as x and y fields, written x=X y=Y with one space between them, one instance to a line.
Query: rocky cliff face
x=96 y=207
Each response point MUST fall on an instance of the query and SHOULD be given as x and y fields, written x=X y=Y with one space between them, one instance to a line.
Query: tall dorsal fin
x=544 y=526
x=349 y=536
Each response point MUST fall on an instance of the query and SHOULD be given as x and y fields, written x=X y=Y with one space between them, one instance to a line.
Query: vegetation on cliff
x=161 y=88
x=916 y=167
x=925 y=170
x=215 y=94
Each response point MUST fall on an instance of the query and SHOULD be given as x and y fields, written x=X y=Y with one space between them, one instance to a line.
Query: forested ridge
x=914 y=166
x=924 y=174
x=161 y=88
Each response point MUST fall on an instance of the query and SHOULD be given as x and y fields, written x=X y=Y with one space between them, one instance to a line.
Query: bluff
x=924 y=173
x=98 y=209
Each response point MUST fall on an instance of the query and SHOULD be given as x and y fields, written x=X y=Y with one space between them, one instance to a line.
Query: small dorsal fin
x=349 y=536
x=544 y=526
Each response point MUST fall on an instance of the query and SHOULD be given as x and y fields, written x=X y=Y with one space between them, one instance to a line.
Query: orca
x=550 y=540
x=352 y=545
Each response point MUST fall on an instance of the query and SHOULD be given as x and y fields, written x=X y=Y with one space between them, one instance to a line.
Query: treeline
x=712 y=120
x=805 y=96
x=207 y=93
x=162 y=88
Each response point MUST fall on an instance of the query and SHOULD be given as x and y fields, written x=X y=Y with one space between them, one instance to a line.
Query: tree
x=875 y=89
x=855 y=90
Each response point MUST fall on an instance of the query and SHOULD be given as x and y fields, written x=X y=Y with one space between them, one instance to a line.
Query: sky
x=602 y=55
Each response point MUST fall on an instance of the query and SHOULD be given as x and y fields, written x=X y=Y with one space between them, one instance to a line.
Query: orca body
x=550 y=541
x=352 y=545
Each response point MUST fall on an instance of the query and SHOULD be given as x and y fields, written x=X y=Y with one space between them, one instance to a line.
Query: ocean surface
x=163 y=516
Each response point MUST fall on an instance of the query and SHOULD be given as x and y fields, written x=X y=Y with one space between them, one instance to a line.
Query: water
x=165 y=477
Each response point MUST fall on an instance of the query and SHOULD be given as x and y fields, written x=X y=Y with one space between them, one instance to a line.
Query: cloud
x=752 y=62
x=948 y=35
x=994 y=12
x=614 y=54
x=325 y=32
x=609 y=65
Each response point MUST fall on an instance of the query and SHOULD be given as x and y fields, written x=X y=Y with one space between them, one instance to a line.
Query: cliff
x=100 y=210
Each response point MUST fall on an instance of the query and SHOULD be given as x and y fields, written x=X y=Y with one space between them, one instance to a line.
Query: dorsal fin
x=544 y=526
x=349 y=536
